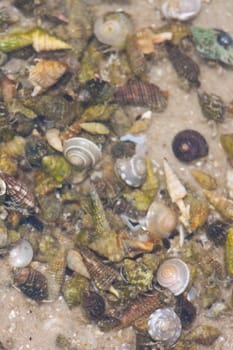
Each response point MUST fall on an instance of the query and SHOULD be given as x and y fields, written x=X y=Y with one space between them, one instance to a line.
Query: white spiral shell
x=81 y=152
x=182 y=10
x=21 y=255
x=174 y=274
x=113 y=29
x=164 y=325
x=131 y=170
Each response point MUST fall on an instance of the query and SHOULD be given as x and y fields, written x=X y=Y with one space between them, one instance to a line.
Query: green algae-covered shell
x=226 y=141
x=229 y=252
x=73 y=288
x=57 y=167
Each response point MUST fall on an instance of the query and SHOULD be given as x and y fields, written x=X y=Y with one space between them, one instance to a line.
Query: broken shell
x=113 y=28
x=160 y=220
x=81 y=152
x=164 y=325
x=45 y=74
x=189 y=145
x=21 y=255
x=174 y=274
x=182 y=10
x=131 y=170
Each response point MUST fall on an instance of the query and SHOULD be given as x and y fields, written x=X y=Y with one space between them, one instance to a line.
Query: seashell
x=164 y=325
x=173 y=274
x=186 y=311
x=123 y=149
x=93 y=305
x=137 y=274
x=95 y=128
x=212 y=106
x=204 y=335
x=57 y=167
x=14 y=148
x=32 y=283
x=44 y=184
x=131 y=170
x=81 y=152
x=175 y=188
x=184 y=66
x=229 y=251
x=21 y=198
x=75 y=263
x=206 y=181
x=21 y=255
x=135 y=56
x=35 y=150
x=73 y=288
x=189 y=145
x=178 y=30
x=147 y=38
x=113 y=28
x=54 y=140
x=107 y=323
x=160 y=220
x=14 y=41
x=141 y=93
x=198 y=210
x=45 y=74
x=226 y=141
x=213 y=44
x=223 y=205
x=2 y=187
x=216 y=232
x=56 y=273
x=43 y=41
x=181 y=10
x=95 y=91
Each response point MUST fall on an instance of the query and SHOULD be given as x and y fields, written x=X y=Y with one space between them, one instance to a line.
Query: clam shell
x=174 y=274
x=182 y=10
x=81 y=152
x=131 y=170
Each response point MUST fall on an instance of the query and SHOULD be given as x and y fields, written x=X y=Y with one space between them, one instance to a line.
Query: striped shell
x=181 y=10
x=43 y=41
x=81 y=152
x=174 y=274
x=45 y=74
x=131 y=170
x=113 y=29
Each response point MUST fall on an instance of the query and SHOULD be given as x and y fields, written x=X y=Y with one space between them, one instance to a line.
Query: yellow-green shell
x=229 y=252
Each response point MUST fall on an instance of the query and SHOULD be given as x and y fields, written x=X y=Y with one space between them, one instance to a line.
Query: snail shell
x=81 y=152
x=164 y=325
x=131 y=170
x=21 y=255
x=113 y=28
x=182 y=10
x=174 y=274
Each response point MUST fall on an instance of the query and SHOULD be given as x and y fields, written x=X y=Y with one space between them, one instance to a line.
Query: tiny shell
x=45 y=74
x=81 y=152
x=174 y=274
x=131 y=170
x=223 y=205
x=21 y=255
x=175 y=188
x=113 y=28
x=54 y=140
x=182 y=10
x=75 y=263
x=164 y=325
x=95 y=128
x=212 y=106
x=229 y=251
x=207 y=181
x=226 y=141
x=43 y=41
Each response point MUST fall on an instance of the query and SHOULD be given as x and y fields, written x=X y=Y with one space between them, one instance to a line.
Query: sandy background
x=24 y=324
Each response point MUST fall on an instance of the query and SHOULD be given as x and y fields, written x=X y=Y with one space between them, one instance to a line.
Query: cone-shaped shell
x=174 y=274
x=43 y=41
x=175 y=188
x=81 y=152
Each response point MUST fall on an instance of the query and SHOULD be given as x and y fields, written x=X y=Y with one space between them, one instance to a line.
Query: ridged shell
x=81 y=152
x=43 y=41
x=164 y=325
x=174 y=186
x=173 y=274
x=182 y=10
x=141 y=93
x=206 y=181
x=45 y=74
x=32 y=283
x=223 y=205
x=131 y=170
x=212 y=106
x=113 y=28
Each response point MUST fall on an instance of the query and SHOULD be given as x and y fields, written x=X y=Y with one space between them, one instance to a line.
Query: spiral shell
x=164 y=325
x=43 y=41
x=45 y=74
x=131 y=170
x=81 y=152
x=182 y=10
x=174 y=274
x=113 y=28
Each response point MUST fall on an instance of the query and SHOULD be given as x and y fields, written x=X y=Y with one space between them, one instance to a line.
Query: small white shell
x=81 y=152
x=175 y=188
x=113 y=28
x=75 y=263
x=131 y=170
x=160 y=219
x=21 y=255
x=182 y=10
x=174 y=274
x=54 y=140
x=164 y=325
x=2 y=187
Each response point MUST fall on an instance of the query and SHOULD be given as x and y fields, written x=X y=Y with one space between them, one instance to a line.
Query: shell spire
x=223 y=205
x=43 y=41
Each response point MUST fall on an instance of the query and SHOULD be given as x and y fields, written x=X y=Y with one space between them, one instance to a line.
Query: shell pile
x=113 y=203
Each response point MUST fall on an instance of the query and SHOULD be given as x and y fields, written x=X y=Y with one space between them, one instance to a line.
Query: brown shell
x=141 y=93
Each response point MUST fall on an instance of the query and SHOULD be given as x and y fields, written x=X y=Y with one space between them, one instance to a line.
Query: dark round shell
x=93 y=304
x=189 y=145
x=216 y=232
x=186 y=311
x=224 y=39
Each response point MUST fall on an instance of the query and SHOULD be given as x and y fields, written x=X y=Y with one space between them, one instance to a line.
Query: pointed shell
x=164 y=325
x=174 y=274
x=131 y=170
x=45 y=74
x=175 y=188
x=182 y=10
x=81 y=152
x=43 y=41
x=113 y=28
